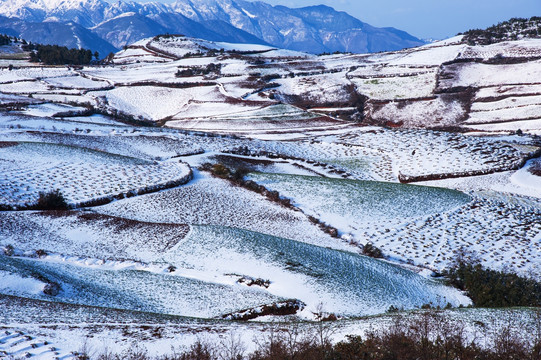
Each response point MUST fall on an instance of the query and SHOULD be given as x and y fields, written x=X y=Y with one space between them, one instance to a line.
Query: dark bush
x=51 y=289
x=52 y=200
x=9 y=250
x=239 y=173
x=41 y=253
x=220 y=170
x=270 y=77
x=370 y=250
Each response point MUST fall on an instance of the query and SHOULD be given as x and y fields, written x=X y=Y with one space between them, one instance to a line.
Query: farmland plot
x=209 y=201
x=346 y=283
x=420 y=154
x=352 y=205
x=30 y=168
x=222 y=118
x=130 y=289
x=114 y=138
x=76 y=236
x=422 y=225
x=501 y=232
x=218 y=262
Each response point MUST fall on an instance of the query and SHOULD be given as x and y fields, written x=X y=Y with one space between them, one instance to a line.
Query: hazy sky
x=429 y=18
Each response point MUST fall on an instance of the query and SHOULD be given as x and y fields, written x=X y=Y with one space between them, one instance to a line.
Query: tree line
x=61 y=55
x=52 y=54
x=512 y=29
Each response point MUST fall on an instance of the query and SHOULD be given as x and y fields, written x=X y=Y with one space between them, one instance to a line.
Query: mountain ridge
x=314 y=29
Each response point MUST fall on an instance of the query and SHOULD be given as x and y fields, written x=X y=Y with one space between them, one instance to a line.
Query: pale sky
x=429 y=18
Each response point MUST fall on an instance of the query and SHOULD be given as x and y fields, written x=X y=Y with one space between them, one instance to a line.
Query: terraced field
x=157 y=250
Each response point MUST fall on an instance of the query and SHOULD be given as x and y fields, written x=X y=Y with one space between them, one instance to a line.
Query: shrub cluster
x=52 y=200
x=491 y=288
x=199 y=70
x=371 y=250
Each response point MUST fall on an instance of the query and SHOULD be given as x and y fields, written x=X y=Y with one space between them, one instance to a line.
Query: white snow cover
x=477 y=74
x=14 y=284
x=140 y=101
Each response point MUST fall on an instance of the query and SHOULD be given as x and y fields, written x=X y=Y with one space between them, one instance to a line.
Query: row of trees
x=5 y=39
x=52 y=54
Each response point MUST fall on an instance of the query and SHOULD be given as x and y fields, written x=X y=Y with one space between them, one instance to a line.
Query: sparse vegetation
x=286 y=307
x=250 y=281
x=428 y=335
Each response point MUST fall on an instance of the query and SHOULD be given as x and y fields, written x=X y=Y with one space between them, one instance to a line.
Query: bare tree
x=232 y=348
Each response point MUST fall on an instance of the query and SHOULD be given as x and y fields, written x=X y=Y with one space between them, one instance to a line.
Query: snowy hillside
x=188 y=188
x=217 y=86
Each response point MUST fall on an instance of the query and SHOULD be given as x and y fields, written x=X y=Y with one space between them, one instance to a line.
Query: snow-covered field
x=82 y=175
x=164 y=254
x=209 y=201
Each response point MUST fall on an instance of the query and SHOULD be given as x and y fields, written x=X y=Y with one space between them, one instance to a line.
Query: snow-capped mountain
x=83 y=12
x=67 y=34
x=314 y=29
